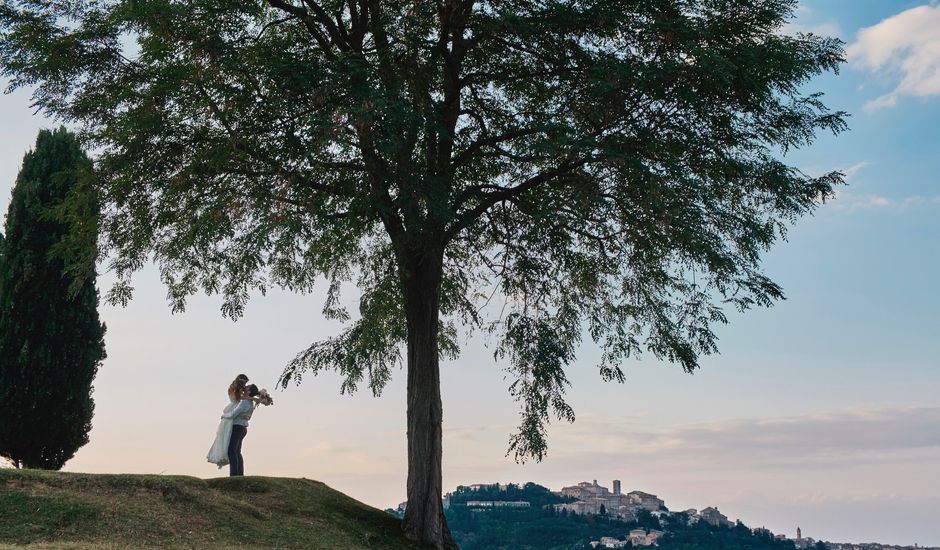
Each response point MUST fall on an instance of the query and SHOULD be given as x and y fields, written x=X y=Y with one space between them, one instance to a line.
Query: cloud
x=847 y=201
x=850 y=202
x=851 y=171
x=805 y=22
x=465 y=433
x=861 y=436
x=827 y=28
x=905 y=46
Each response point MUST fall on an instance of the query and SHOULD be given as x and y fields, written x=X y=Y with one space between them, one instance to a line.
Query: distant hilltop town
x=599 y=500
x=590 y=498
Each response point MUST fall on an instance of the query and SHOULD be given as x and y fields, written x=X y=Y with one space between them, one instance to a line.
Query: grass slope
x=56 y=510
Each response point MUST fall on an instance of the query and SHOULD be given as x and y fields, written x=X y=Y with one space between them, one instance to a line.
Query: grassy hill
x=55 y=510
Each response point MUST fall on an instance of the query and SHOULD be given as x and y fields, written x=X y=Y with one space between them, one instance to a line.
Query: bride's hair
x=236 y=386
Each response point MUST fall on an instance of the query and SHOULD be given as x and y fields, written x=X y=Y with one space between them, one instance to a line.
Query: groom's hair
x=252 y=390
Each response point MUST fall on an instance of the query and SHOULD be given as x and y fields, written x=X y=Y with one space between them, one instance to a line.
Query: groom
x=240 y=416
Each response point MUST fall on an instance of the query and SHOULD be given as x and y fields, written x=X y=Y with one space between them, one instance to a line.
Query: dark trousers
x=236 y=464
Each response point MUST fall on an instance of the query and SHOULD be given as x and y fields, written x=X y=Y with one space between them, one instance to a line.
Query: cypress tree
x=51 y=340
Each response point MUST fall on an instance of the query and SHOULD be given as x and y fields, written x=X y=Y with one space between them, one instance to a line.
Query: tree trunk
x=424 y=515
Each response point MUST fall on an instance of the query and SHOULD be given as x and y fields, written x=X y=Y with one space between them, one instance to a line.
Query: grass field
x=56 y=510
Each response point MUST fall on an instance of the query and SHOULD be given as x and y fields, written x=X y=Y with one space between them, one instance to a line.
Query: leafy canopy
x=602 y=169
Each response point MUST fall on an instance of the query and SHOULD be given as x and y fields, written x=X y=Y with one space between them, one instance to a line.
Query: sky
x=821 y=412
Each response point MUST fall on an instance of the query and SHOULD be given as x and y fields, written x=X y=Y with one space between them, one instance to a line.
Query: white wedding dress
x=218 y=453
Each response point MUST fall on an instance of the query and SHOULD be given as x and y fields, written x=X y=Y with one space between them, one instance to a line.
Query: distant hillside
x=54 y=510
x=478 y=522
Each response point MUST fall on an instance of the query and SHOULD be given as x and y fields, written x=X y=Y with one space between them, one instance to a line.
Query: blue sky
x=822 y=411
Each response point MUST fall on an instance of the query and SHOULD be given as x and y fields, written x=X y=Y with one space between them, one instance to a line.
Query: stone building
x=584 y=490
x=609 y=542
x=713 y=516
x=497 y=504
x=592 y=498
x=645 y=501
x=640 y=537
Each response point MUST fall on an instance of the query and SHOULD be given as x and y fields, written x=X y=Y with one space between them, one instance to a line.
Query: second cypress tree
x=51 y=339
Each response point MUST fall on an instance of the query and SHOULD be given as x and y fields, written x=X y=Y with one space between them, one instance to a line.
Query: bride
x=218 y=453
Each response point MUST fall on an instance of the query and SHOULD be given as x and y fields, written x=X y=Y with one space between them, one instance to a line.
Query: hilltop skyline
x=819 y=412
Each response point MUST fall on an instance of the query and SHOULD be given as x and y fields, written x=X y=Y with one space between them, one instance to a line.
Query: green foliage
x=646 y=520
x=51 y=341
x=613 y=165
x=536 y=495
x=702 y=536
x=540 y=528
x=526 y=529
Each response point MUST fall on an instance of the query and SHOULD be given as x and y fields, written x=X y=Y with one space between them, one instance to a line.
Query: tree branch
x=336 y=31
x=309 y=23
x=467 y=153
x=486 y=201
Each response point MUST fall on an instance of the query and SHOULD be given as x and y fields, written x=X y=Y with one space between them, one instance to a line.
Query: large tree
x=51 y=340
x=603 y=169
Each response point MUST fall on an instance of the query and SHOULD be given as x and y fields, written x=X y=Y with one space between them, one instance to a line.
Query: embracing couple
x=227 y=447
